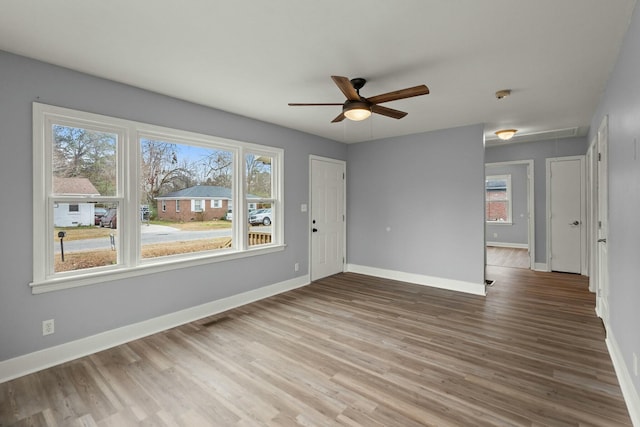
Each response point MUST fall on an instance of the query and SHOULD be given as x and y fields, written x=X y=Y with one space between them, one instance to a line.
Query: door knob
x=315 y=230
x=574 y=223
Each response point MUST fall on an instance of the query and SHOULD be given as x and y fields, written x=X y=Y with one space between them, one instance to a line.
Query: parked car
x=261 y=216
x=110 y=219
x=98 y=213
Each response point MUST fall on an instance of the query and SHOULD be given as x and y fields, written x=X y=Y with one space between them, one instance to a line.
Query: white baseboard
x=420 y=279
x=631 y=396
x=42 y=359
x=541 y=266
x=508 y=245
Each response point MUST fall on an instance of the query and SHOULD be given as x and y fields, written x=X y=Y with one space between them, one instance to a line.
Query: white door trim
x=582 y=209
x=592 y=214
x=603 y=308
x=530 y=205
x=343 y=163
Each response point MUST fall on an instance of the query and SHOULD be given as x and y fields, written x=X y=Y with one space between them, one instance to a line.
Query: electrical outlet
x=635 y=364
x=296 y=266
x=48 y=327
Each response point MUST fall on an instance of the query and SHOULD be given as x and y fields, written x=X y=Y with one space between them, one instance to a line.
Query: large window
x=498 y=199
x=94 y=175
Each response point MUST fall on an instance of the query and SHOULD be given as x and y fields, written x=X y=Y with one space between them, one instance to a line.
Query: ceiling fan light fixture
x=356 y=110
x=506 y=134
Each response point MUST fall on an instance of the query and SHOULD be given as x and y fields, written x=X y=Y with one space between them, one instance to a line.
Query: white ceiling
x=252 y=57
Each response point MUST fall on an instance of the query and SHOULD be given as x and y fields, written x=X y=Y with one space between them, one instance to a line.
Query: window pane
x=497 y=211
x=260 y=221
x=179 y=182
x=497 y=198
x=258 y=176
x=76 y=236
x=84 y=162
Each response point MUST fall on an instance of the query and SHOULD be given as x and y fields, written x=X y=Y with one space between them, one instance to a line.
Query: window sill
x=149 y=267
x=498 y=223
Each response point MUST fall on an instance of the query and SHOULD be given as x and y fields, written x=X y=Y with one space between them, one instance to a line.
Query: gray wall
x=85 y=311
x=429 y=189
x=621 y=102
x=538 y=151
x=518 y=231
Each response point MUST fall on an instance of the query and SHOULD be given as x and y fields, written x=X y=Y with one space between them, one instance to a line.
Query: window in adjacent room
x=498 y=199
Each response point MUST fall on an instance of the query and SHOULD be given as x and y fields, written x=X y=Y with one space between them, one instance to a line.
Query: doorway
x=328 y=217
x=510 y=237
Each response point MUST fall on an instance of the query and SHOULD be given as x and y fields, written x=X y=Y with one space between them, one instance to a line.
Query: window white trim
x=130 y=263
x=157 y=265
x=276 y=199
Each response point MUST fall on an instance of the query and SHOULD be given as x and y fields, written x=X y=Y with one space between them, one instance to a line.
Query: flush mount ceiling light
x=501 y=94
x=356 y=110
x=506 y=134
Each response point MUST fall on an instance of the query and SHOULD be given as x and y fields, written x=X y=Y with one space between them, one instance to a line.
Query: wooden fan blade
x=344 y=84
x=399 y=94
x=339 y=118
x=297 y=104
x=389 y=112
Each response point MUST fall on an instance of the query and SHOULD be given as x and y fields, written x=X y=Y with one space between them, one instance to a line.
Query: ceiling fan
x=357 y=107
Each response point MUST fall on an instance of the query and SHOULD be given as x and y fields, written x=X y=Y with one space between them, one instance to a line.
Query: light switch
x=303 y=207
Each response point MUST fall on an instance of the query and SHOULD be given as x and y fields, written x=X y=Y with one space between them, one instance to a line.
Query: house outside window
x=216 y=204
x=168 y=161
x=498 y=199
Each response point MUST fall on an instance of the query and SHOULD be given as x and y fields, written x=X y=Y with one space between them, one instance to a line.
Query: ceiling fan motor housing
x=358 y=83
x=360 y=105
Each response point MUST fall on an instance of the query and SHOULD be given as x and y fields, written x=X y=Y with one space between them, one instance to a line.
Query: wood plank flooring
x=508 y=257
x=351 y=350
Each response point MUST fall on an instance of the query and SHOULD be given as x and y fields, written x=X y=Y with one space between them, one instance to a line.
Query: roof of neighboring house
x=74 y=186
x=199 y=192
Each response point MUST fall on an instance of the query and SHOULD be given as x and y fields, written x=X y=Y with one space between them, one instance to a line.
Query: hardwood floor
x=351 y=350
x=508 y=257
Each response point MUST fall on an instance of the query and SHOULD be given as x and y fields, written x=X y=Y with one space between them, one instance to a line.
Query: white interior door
x=602 y=292
x=566 y=215
x=327 y=217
